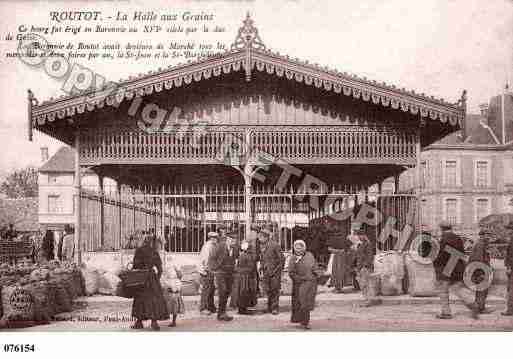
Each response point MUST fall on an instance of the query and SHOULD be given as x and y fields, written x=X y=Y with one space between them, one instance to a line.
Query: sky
x=438 y=47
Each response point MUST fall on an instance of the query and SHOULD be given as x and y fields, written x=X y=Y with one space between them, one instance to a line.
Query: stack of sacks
x=389 y=266
x=35 y=293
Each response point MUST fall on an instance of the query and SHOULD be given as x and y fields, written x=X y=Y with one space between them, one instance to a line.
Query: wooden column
x=77 y=184
x=102 y=210
x=396 y=183
x=418 y=187
x=120 y=214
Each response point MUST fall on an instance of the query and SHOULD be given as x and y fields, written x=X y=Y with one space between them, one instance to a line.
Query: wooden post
x=31 y=100
x=247 y=201
x=419 y=176
x=120 y=214
x=102 y=210
x=78 y=217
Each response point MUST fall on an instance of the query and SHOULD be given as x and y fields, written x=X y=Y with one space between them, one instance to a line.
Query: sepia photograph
x=251 y=166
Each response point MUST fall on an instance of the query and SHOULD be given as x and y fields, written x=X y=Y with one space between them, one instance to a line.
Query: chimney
x=44 y=154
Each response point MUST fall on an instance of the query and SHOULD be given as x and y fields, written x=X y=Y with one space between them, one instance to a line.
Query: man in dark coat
x=48 y=246
x=480 y=254
x=451 y=243
x=340 y=261
x=508 y=262
x=365 y=267
x=271 y=266
x=222 y=263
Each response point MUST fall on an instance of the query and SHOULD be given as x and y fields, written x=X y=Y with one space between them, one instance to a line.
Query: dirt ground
x=328 y=316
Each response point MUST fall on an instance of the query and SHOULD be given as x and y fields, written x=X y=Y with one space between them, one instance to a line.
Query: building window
x=54 y=204
x=508 y=208
x=451 y=210
x=451 y=173
x=482 y=174
x=482 y=208
x=52 y=178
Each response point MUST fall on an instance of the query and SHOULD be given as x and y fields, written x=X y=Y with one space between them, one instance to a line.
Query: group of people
x=240 y=269
x=453 y=280
x=43 y=246
x=352 y=262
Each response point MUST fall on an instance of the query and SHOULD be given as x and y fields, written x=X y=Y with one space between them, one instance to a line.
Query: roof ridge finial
x=247 y=36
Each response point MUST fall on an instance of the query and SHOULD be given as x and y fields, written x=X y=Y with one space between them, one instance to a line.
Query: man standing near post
x=508 y=262
x=222 y=263
x=480 y=254
x=365 y=266
x=207 y=305
x=271 y=264
x=451 y=245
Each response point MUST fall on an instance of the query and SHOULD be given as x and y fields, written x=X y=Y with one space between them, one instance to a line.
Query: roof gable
x=248 y=54
x=62 y=161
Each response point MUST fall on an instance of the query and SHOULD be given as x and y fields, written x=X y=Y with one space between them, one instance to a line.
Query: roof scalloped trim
x=262 y=60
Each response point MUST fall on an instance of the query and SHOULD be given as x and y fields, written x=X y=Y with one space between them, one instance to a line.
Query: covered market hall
x=245 y=137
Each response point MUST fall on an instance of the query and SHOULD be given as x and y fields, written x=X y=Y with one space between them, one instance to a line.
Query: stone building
x=468 y=174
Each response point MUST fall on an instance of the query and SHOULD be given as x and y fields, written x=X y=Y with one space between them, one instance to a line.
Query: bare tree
x=21 y=183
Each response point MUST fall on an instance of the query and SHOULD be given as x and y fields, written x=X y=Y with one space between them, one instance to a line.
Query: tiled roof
x=62 y=161
x=22 y=212
x=476 y=134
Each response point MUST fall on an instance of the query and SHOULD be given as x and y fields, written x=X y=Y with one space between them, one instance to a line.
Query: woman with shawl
x=304 y=271
x=149 y=303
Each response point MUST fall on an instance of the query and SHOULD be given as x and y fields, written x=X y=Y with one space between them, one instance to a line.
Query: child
x=172 y=287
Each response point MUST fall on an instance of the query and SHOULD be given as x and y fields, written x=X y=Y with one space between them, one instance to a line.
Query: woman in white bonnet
x=304 y=271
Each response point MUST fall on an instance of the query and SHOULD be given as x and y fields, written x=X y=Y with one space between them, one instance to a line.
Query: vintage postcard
x=235 y=166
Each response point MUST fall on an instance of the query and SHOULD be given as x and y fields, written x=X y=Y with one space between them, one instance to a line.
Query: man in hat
x=448 y=278
x=271 y=265
x=364 y=265
x=68 y=244
x=480 y=254
x=222 y=263
x=207 y=305
x=508 y=262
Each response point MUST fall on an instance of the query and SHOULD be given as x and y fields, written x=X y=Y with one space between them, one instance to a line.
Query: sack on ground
x=29 y=303
x=107 y=283
x=421 y=278
x=91 y=278
x=62 y=300
x=390 y=284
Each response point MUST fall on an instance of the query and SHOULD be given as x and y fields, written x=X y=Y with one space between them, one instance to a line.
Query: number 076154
x=19 y=348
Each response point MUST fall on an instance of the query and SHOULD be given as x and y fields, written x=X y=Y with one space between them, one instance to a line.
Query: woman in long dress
x=304 y=271
x=245 y=282
x=149 y=303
